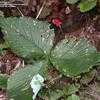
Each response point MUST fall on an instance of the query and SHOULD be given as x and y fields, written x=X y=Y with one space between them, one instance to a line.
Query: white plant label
x=36 y=84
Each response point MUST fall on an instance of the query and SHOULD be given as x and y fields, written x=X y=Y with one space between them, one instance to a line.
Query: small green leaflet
x=73 y=97
x=71 y=89
x=86 y=5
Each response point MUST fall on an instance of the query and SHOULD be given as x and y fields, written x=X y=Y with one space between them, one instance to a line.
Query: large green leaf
x=18 y=87
x=74 y=57
x=72 y=1
x=86 y=5
x=27 y=37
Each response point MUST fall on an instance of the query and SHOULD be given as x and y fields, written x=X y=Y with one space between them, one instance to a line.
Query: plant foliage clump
x=34 y=39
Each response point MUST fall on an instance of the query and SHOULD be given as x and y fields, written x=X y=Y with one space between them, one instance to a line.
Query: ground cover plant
x=50 y=50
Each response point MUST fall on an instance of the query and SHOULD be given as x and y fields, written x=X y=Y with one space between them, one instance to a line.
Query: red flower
x=57 y=22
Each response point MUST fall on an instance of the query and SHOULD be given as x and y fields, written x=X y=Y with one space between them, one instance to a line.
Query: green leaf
x=72 y=57
x=18 y=86
x=71 y=89
x=51 y=94
x=55 y=95
x=2 y=47
x=72 y=1
x=27 y=37
x=73 y=97
x=88 y=77
x=3 y=81
x=86 y=5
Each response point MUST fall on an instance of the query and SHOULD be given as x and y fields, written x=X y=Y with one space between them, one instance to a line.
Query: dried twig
x=20 y=12
x=41 y=9
x=11 y=5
